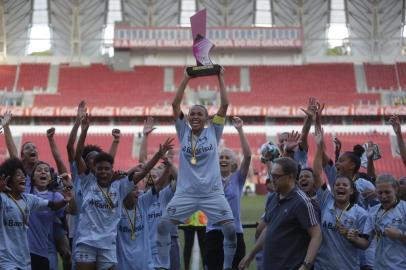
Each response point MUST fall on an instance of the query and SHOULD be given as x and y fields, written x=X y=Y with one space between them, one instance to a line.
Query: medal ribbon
x=193 y=159
x=131 y=222
x=338 y=217
x=378 y=232
x=25 y=218
x=106 y=196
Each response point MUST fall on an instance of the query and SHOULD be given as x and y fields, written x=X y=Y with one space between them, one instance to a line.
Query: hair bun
x=359 y=150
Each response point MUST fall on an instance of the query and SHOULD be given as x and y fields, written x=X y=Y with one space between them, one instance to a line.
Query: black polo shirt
x=287 y=221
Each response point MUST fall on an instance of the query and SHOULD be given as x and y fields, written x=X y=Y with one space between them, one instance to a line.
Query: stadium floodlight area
x=77 y=27
x=152 y=13
x=375 y=28
x=229 y=13
x=15 y=21
x=312 y=15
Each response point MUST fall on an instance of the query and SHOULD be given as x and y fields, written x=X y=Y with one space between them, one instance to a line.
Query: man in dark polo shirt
x=292 y=235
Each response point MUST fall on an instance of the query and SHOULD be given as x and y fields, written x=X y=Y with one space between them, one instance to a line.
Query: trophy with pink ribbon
x=201 y=48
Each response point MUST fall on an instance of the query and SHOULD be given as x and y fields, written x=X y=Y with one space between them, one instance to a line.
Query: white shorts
x=215 y=207
x=105 y=258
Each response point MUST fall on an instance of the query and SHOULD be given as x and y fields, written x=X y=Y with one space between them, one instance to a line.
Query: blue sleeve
x=240 y=179
x=36 y=203
x=181 y=127
x=306 y=214
x=218 y=130
x=331 y=173
x=125 y=186
x=60 y=212
x=300 y=157
x=167 y=194
x=86 y=180
x=362 y=219
x=324 y=197
x=268 y=206
x=146 y=199
x=369 y=227
x=74 y=171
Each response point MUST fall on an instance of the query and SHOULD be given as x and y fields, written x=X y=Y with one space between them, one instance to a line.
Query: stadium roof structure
x=77 y=26
x=15 y=20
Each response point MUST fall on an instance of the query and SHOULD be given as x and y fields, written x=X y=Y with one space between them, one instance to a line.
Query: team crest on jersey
x=397 y=220
x=171 y=210
x=348 y=221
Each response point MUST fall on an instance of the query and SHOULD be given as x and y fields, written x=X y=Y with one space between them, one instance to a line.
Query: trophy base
x=206 y=70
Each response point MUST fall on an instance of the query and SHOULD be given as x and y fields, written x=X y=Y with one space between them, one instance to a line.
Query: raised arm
x=11 y=147
x=116 y=140
x=370 y=156
x=55 y=151
x=318 y=158
x=223 y=95
x=67 y=199
x=310 y=116
x=163 y=148
x=317 y=126
x=337 y=148
x=164 y=178
x=177 y=100
x=148 y=128
x=292 y=143
x=395 y=122
x=81 y=144
x=246 y=151
x=81 y=112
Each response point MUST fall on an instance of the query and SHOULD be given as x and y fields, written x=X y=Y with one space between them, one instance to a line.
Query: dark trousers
x=214 y=250
x=39 y=262
x=189 y=241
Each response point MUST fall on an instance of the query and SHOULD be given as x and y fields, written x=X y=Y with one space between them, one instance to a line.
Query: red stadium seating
x=33 y=76
x=7 y=77
x=104 y=87
x=270 y=85
x=401 y=68
x=333 y=84
x=380 y=76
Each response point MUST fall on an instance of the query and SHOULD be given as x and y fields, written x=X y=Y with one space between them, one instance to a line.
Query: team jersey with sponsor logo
x=135 y=253
x=203 y=178
x=336 y=252
x=390 y=254
x=154 y=214
x=14 y=248
x=99 y=216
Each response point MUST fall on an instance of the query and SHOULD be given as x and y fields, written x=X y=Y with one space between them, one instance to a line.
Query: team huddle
x=95 y=217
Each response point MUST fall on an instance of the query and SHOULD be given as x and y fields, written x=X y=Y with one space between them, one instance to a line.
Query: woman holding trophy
x=199 y=184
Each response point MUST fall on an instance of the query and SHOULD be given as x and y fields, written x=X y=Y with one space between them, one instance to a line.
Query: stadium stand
x=7 y=77
x=332 y=83
x=33 y=76
x=379 y=76
x=401 y=69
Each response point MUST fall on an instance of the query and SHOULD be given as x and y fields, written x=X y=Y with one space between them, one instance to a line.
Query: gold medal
x=132 y=236
x=193 y=160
